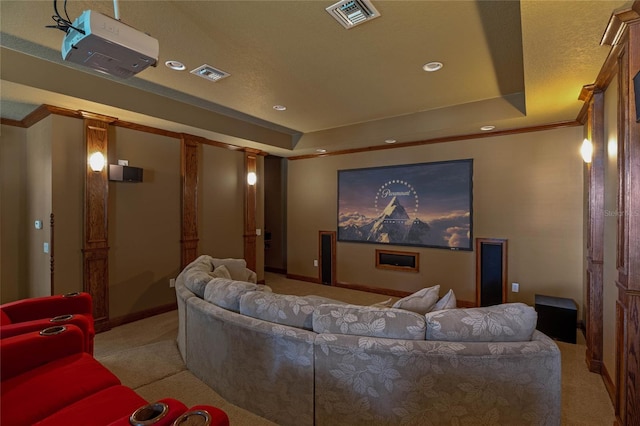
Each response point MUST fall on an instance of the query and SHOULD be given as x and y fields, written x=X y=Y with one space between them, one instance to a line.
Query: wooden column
x=189 y=154
x=628 y=259
x=594 y=172
x=250 y=251
x=623 y=34
x=95 y=249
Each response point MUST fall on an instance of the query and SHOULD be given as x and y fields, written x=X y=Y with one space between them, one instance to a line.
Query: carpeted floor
x=143 y=354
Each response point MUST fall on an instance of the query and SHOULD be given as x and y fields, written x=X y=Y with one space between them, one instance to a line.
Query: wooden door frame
x=493 y=241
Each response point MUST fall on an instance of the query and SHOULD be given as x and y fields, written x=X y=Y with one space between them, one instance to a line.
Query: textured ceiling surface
x=510 y=64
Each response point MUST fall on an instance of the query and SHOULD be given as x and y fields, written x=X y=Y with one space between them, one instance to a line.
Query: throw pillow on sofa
x=220 y=272
x=509 y=322
x=421 y=301
x=369 y=321
x=237 y=268
x=226 y=293
x=448 y=301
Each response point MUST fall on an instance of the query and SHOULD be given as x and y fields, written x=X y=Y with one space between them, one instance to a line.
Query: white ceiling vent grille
x=210 y=73
x=353 y=12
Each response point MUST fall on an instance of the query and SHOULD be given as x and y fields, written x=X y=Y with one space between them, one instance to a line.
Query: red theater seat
x=37 y=313
x=47 y=379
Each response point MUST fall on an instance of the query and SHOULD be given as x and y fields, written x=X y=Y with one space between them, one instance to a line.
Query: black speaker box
x=125 y=173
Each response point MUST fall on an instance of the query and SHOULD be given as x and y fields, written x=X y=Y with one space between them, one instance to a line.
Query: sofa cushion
x=509 y=322
x=196 y=280
x=368 y=321
x=220 y=272
x=448 y=301
x=294 y=311
x=226 y=293
x=421 y=301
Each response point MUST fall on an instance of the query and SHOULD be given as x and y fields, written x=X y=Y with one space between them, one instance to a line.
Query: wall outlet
x=515 y=287
x=315 y=262
x=45 y=247
x=172 y=282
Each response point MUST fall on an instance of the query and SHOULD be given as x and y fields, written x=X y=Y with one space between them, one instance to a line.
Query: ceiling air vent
x=353 y=12
x=210 y=73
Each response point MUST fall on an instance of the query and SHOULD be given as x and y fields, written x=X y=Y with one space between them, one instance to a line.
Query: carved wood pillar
x=623 y=34
x=189 y=154
x=595 y=233
x=250 y=251
x=628 y=259
x=95 y=249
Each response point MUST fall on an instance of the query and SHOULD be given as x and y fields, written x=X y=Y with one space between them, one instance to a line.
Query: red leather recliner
x=37 y=313
x=47 y=379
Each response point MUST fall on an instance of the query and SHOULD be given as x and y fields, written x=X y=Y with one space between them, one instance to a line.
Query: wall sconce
x=586 y=150
x=252 y=178
x=96 y=161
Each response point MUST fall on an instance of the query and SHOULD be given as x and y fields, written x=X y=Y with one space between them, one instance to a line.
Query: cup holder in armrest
x=149 y=414
x=61 y=318
x=52 y=331
x=193 y=418
x=72 y=294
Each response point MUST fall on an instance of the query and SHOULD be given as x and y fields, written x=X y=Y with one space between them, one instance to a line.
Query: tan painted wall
x=221 y=202
x=38 y=207
x=13 y=261
x=42 y=170
x=610 y=271
x=144 y=223
x=527 y=189
x=69 y=159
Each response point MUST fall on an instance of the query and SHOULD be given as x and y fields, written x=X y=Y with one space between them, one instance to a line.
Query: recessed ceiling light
x=487 y=128
x=279 y=107
x=175 y=65
x=390 y=141
x=321 y=151
x=432 y=66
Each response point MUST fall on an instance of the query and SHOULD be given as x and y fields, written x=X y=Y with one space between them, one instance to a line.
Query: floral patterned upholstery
x=373 y=381
x=369 y=321
x=226 y=293
x=366 y=365
x=295 y=311
x=509 y=322
x=263 y=367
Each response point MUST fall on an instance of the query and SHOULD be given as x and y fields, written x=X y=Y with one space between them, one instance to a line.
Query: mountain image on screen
x=392 y=226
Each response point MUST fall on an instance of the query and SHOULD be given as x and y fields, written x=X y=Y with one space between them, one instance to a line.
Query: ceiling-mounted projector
x=109 y=46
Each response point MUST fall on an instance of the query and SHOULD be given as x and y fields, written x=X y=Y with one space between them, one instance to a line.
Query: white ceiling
x=506 y=63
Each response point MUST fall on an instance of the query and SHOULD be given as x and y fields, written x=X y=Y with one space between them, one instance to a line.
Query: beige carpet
x=144 y=356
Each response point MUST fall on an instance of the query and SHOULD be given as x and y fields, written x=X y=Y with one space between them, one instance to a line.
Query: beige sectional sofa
x=310 y=360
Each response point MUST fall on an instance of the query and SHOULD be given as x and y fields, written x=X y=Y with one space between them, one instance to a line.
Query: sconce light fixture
x=586 y=150
x=251 y=178
x=96 y=161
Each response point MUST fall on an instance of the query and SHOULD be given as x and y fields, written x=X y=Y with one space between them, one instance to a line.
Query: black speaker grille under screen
x=406 y=261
